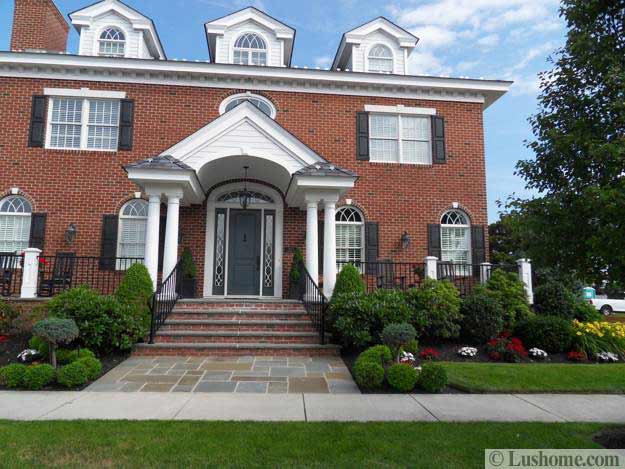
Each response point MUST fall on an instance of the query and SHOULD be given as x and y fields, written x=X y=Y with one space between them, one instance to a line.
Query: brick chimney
x=38 y=25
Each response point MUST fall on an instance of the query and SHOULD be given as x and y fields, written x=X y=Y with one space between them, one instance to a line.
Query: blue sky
x=499 y=39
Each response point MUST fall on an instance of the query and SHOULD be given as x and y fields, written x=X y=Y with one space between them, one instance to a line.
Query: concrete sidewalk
x=312 y=407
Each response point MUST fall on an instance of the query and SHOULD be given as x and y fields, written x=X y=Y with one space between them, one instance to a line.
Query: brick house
x=117 y=152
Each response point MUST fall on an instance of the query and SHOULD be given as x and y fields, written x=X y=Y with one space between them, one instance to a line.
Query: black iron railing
x=388 y=274
x=463 y=276
x=163 y=301
x=315 y=302
x=66 y=270
x=11 y=274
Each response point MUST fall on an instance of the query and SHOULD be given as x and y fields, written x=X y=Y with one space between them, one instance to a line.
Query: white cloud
x=426 y=63
x=488 y=41
x=323 y=61
x=434 y=37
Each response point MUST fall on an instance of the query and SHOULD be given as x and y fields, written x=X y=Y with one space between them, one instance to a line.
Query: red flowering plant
x=507 y=348
x=578 y=357
x=429 y=353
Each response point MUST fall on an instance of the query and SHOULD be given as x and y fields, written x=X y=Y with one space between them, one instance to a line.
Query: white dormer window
x=112 y=43
x=380 y=59
x=260 y=102
x=250 y=49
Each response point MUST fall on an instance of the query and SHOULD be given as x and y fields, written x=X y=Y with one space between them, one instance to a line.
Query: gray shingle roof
x=325 y=169
x=160 y=162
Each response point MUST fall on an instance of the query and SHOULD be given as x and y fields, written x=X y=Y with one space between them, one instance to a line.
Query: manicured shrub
x=433 y=378
x=482 y=316
x=8 y=316
x=550 y=333
x=295 y=274
x=66 y=356
x=585 y=312
x=135 y=290
x=378 y=354
x=349 y=280
x=12 y=376
x=435 y=308
x=508 y=290
x=72 y=375
x=402 y=377
x=40 y=345
x=93 y=367
x=56 y=331
x=368 y=374
x=553 y=298
x=189 y=269
x=38 y=376
x=397 y=335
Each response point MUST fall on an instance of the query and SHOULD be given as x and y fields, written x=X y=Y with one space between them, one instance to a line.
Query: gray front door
x=244 y=252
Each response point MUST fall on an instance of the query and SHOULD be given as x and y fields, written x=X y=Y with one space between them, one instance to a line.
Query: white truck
x=608 y=306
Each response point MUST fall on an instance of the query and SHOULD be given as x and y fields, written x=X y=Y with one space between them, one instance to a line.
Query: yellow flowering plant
x=599 y=336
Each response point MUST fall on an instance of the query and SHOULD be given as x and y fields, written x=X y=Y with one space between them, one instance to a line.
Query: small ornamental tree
x=56 y=331
x=189 y=269
x=397 y=335
x=349 y=280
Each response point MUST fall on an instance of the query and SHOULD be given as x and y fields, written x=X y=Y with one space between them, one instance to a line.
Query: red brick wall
x=81 y=186
x=38 y=24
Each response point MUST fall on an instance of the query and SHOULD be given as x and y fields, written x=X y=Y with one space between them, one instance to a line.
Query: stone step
x=191 y=337
x=240 y=305
x=235 y=349
x=237 y=325
x=253 y=315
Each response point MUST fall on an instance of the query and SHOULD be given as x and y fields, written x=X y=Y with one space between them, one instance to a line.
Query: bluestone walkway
x=311 y=407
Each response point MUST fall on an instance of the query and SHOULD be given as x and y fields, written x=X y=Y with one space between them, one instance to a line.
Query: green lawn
x=538 y=377
x=189 y=444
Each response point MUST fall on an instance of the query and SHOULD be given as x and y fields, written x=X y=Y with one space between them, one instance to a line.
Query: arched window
x=456 y=237
x=350 y=235
x=255 y=198
x=15 y=216
x=260 y=102
x=112 y=43
x=380 y=59
x=250 y=49
x=133 y=220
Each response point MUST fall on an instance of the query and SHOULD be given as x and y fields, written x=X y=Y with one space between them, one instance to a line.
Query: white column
x=430 y=267
x=151 y=237
x=485 y=268
x=170 y=256
x=312 y=241
x=525 y=274
x=30 y=273
x=329 y=248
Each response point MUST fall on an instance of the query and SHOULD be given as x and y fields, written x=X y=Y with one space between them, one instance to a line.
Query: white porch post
x=152 y=235
x=485 y=270
x=329 y=247
x=525 y=274
x=430 y=267
x=30 y=273
x=312 y=242
x=170 y=256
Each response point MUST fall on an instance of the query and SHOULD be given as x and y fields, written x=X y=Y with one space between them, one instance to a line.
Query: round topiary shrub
x=397 y=335
x=380 y=354
x=72 y=375
x=56 y=331
x=433 y=377
x=549 y=333
x=483 y=317
x=435 y=309
x=12 y=376
x=402 y=377
x=93 y=367
x=368 y=374
x=38 y=376
x=349 y=280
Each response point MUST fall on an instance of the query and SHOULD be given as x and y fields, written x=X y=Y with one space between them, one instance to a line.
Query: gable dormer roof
x=403 y=38
x=218 y=26
x=85 y=17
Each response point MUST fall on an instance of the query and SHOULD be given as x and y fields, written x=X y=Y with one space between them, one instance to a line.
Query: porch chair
x=386 y=278
x=62 y=274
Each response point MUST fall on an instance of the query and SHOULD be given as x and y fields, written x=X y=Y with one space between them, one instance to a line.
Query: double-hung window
x=400 y=139
x=83 y=124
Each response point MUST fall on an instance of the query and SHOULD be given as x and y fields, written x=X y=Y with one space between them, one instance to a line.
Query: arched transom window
x=456 y=237
x=259 y=101
x=350 y=235
x=250 y=49
x=133 y=219
x=15 y=217
x=234 y=197
x=380 y=59
x=112 y=43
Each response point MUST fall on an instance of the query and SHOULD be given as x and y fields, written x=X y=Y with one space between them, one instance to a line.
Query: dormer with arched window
x=112 y=42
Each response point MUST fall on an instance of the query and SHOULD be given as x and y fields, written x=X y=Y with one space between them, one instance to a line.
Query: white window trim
x=466 y=226
x=247 y=95
x=18 y=214
x=367 y=57
x=363 y=250
x=120 y=218
x=84 y=127
x=400 y=109
x=83 y=93
x=400 y=139
x=249 y=57
x=97 y=40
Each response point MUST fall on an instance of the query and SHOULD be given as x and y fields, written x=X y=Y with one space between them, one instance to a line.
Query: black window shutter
x=438 y=140
x=434 y=241
x=478 y=244
x=126 y=122
x=161 y=241
x=372 y=246
x=36 y=136
x=320 y=244
x=108 y=249
x=362 y=136
x=37 y=231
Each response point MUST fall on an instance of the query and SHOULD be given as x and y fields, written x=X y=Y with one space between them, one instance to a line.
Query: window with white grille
x=83 y=124
x=250 y=49
x=350 y=235
x=15 y=218
x=455 y=237
x=380 y=59
x=400 y=139
x=112 y=43
x=133 y=220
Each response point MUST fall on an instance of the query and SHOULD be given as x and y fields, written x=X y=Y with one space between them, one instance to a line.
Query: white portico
x=244 y=239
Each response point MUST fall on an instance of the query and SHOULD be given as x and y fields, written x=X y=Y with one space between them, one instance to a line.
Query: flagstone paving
x=253 y=374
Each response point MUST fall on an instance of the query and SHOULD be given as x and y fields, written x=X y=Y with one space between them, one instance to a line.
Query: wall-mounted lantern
x=70 y=233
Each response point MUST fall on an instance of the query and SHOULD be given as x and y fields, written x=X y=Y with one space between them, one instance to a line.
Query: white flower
x=467 y=352
x=406 y=356
x=538 y=353
x=607 y=357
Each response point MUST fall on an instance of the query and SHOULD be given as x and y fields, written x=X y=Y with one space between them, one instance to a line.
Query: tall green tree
x=577 y=223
